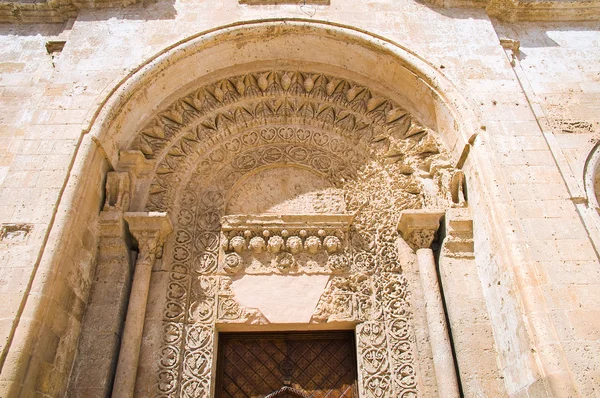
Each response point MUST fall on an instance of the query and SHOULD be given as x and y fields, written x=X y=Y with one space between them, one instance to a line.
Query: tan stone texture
x=284 y=142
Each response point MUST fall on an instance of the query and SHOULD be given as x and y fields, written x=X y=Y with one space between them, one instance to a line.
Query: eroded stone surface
x=281 y=298
x=520 y=290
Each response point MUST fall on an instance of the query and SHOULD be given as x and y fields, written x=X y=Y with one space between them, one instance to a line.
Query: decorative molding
x=530 y=10
x=270 y=243
x=332 y=117
x=150 y=230
x=370 y=150
x=543 y=10
x=55 y=11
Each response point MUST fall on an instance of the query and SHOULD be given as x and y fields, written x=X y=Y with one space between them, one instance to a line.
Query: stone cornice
x=538 y=10
x=530 y=10
x=52 y=11
x=59 y=11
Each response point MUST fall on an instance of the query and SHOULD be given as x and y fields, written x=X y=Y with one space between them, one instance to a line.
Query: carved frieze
x=311 y=110
x=263 y=244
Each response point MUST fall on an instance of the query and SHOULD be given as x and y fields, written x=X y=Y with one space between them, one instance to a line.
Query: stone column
x=418 y=228
x=150 y=230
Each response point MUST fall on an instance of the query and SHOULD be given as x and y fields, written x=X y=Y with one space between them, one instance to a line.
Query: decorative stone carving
x=366 y=120
x=346 y=299
x=419 y=227
x=315 y=248
x=332 y=244
x=150 y=230
x=117 y=191
x=15 y=233
x=229 y=310
x=371 y=151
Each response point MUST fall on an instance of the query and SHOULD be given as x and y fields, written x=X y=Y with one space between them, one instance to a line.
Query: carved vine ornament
x=370 y=149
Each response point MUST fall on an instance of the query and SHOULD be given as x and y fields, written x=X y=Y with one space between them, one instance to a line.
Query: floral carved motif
x=370 y=149
x=362 y=117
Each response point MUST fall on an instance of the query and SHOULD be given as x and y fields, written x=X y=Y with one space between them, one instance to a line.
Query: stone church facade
x=291 y=199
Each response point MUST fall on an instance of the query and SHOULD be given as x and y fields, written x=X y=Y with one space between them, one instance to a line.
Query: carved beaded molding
x=285 y=244
x=370 y=149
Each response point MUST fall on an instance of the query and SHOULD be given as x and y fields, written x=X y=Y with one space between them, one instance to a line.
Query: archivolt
x=313 y=112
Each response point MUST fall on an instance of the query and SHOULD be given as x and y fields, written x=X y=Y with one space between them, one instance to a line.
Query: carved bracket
x=458 y=242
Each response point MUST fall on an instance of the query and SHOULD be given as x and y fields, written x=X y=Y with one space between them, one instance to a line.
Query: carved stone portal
x=290 y=174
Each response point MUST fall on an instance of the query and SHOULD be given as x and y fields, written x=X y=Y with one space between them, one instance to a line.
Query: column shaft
x=134 y=326
x=438 y=329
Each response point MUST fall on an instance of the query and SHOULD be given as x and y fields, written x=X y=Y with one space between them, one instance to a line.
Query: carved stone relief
x=374 y=154
x=288 y=244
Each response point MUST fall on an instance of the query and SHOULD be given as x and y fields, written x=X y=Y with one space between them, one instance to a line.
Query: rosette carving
x=368 y=147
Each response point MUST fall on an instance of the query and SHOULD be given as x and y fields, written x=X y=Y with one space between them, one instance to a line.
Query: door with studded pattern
x=259 y=365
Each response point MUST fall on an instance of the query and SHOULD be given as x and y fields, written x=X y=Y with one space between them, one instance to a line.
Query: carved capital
x=418 y=227
x=150 y=230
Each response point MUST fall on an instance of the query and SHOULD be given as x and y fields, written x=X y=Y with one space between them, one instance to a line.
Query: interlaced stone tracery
x=374 y=154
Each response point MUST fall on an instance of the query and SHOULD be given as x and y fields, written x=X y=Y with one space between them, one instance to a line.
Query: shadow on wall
x=455 y=13
x=539 y=34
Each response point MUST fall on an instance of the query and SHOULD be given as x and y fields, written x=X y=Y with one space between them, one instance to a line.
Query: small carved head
x=257 y=245
x=332 y=244
x=238 y=244
x=275 y=244
x=312 y=244
x=294 y=244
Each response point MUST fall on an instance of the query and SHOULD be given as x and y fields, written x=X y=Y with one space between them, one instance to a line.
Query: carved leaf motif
x=339 y=120
x=167 y=381
x=198 y=337
x=263 y=84
x=309 y=84
x=286 y=81
x=240 y=86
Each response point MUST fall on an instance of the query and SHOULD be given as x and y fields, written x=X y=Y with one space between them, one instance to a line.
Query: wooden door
x=258 y=365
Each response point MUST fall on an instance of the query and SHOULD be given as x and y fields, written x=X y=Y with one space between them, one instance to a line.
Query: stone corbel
x=119 y=191
x=121 y=183
x=419 y=228
x=150 y=230
x=138 y=168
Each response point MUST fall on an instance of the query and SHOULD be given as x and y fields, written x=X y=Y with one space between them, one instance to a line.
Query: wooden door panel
x=315 y=365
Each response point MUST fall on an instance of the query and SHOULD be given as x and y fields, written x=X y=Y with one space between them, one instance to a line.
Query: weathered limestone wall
x=42 y=304
x=560 y=71
x=45 y=108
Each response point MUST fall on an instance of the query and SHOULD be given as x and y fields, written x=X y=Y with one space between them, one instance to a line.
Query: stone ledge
x=52 y=11
x=530 y=10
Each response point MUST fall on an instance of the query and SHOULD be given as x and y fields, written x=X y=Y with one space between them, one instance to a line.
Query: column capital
x=418 y=227
x=150 y=229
